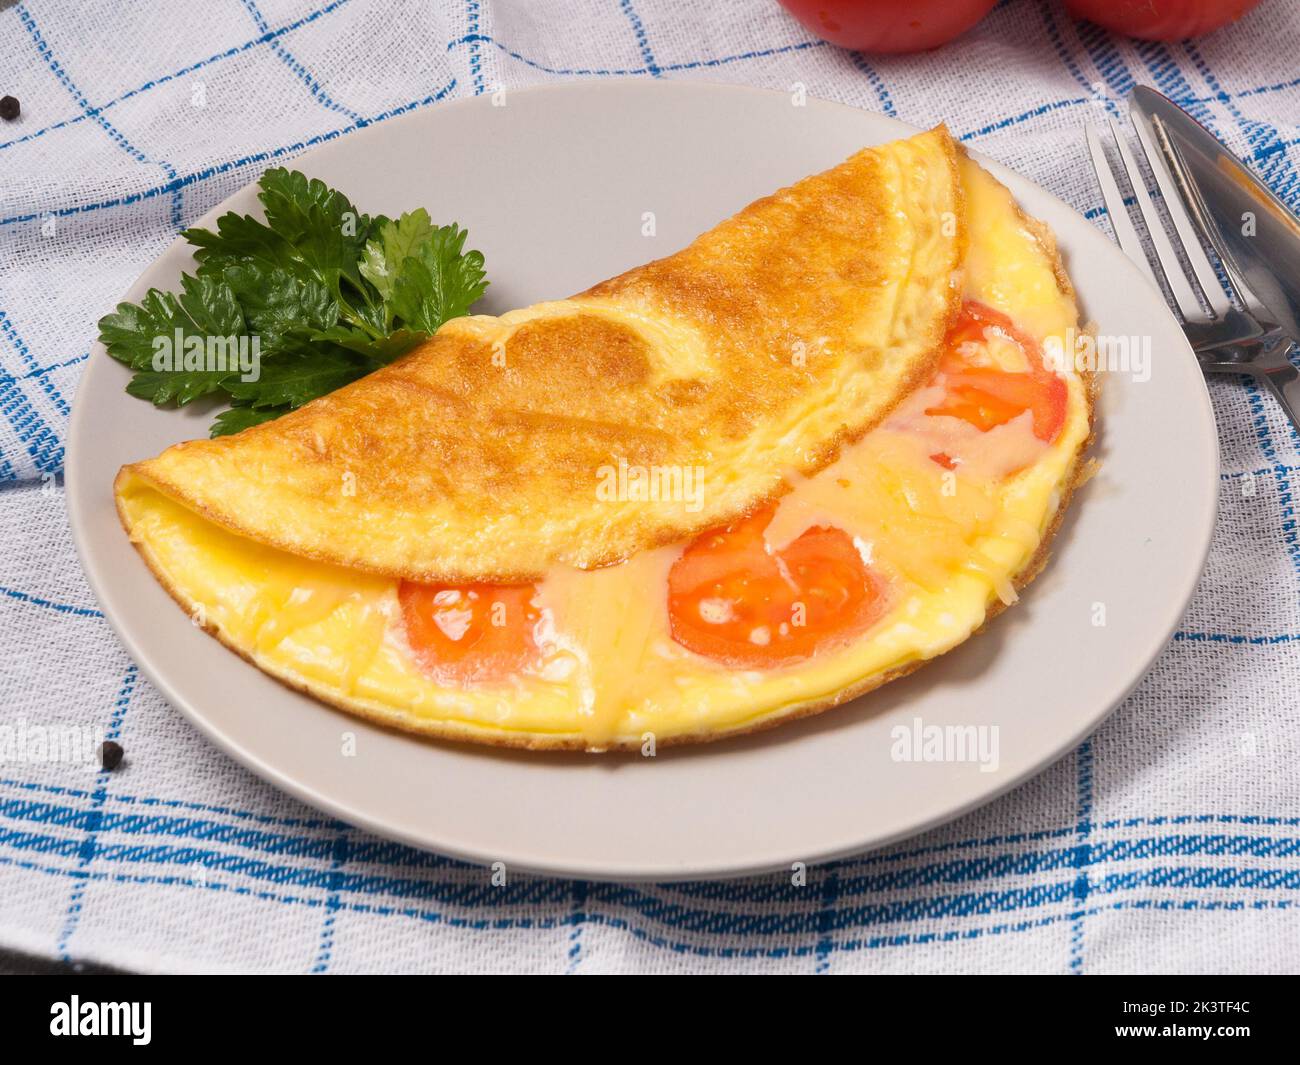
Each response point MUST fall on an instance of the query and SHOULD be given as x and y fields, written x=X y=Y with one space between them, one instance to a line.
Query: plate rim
x=78 y=505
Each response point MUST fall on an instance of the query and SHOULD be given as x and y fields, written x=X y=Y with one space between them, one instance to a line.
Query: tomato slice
x=735 y=600
x=471 y=632
x=987 y=396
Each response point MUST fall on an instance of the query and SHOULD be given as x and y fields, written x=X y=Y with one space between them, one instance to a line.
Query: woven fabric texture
x=1168 y=841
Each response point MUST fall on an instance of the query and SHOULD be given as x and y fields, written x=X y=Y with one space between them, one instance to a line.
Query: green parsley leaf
x=151 y=338
x=328 y=294
x=438 y=282
x=377 y=352
x=385 y=253
x=280 y=304
x=324 y=228
x=240 y=239
x=294 y=379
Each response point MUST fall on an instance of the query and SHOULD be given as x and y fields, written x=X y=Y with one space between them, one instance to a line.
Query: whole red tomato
x=888 y=25
x=1160 y=20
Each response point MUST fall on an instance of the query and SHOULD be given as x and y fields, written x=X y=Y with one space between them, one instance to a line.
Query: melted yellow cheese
x=950 y=543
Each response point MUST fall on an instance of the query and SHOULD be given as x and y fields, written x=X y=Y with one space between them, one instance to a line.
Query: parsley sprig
x=330 y=294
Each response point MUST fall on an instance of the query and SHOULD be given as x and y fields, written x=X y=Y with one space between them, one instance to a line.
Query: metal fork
x=1229 y=329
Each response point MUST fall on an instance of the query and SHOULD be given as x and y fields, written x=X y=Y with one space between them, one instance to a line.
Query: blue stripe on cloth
x=1057 y=42
x=780 y=890
x=41 y=371
x=826 y=918
x=642 y=40
x=1263 y=434
x=115 y=135
x=152 y=801
x=1104 y=53
x=1246 y=820
x=1083 y=853
x=1024 y=116
x=955 y=935
x=1183 y=97
x=1211 y=846
x=24 y=352
x=1011 y=863
x=1165 y=73
x=1169 y=79
x=659 y=940
x=997 y=900
x=234 y=164
x=296 y=66
x=577 y=916
x=1289 y=520
x=709 y=923
x=1259 y=420
x=86 y=851
x=1265 y=152
x=877 y=83
x=283 y=845
x=394 y=852
x=645 y=902
x=1280 y=86
x=504 y=923
x=42 y=443
x=1223 y=637
x=93 y=112
x=97 y=816
x=61 y=608
x=384 y=852
x=339 y=855
x=473 y=38
x=1259 y=472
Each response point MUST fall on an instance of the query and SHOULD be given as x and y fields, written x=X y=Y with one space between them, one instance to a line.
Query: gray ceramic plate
x=553 y=187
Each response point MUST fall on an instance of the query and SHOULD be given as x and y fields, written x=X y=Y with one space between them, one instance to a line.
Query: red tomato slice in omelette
x=735 y=600
x=471 y=632
x=987 y=396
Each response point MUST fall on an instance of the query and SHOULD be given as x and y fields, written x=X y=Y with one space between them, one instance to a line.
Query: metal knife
x=1256 y=232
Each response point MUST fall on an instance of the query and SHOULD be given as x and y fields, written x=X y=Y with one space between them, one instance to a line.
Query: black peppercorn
x=110 y=754
x=9 y=108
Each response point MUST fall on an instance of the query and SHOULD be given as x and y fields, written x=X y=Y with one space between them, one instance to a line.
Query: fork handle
x=1283 y=379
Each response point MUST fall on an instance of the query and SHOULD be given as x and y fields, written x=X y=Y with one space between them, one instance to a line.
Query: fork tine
x=1188 y=231
x=1184 y=295
x=1119 y=219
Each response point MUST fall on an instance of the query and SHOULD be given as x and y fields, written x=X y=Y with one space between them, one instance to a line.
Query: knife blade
x=1256 y=233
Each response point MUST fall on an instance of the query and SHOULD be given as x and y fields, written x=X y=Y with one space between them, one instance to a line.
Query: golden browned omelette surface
x=754 y=353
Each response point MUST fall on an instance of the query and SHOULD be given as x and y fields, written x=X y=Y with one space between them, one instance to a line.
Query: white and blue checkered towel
x=1169 y=841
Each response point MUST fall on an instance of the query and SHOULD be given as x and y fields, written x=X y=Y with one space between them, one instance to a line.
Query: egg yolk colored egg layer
x=893 y=554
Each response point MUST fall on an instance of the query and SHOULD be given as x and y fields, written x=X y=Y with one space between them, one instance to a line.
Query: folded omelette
x=797 y=459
